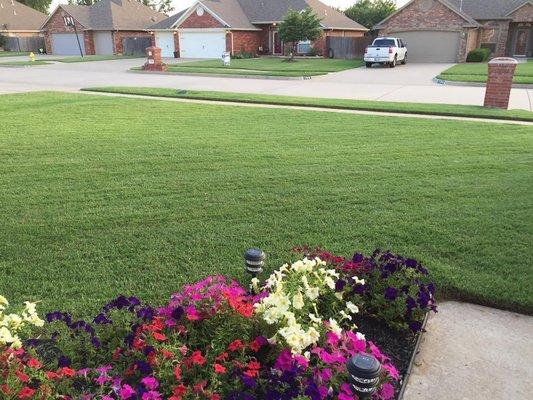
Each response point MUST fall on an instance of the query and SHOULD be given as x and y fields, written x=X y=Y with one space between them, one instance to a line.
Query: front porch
x=520 y=40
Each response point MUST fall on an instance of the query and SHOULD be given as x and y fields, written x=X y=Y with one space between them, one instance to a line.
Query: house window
x=304 y=47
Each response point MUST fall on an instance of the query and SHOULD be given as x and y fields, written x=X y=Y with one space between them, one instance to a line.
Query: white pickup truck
x=386 y=50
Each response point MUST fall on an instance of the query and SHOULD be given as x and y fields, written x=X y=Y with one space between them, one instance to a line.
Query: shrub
x=243 y=54
x=478 y=55
x=312 y=52
x=3 y=40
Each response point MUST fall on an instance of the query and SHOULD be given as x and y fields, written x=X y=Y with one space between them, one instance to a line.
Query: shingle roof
x=115 y=15
x=487 y=9
x=243 y=14
x=18 y=17
x=167 y=23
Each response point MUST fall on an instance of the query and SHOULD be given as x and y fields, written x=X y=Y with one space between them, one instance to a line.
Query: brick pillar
x=154 y=63
x=499 y=83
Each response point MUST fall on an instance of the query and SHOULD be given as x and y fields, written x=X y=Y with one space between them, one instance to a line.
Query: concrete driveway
x=405 y=83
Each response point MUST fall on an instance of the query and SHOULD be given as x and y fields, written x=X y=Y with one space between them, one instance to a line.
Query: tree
x=299 y=26
x=369 y=12
x=39 y=5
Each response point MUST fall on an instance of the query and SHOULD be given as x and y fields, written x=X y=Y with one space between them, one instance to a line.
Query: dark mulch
x=398 y=345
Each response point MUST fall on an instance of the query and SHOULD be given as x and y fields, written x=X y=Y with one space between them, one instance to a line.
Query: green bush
x=3 y=40
x=312 y=52
x=478 y=55
x=243 y=54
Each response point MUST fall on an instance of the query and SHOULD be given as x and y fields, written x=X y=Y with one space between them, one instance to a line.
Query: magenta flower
x=151 y=395
x=126 y=392
x=150 y=383
x=387 y=391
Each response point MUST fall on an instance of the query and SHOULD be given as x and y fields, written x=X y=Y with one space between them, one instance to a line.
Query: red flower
x=215 y=396
x=159 y=337
x=34 y=363
x=253 y=369
x=179 y=390
x=5 y=389
x=177 y=373
x=197 y=358
x=22 y=376
x=26 y=393
x=167 y=354
x=256 y=344
x=116 y=353
x=235 y=345
x=66 y=371
x=52 y=375
x=219 y=369
x=222 y=357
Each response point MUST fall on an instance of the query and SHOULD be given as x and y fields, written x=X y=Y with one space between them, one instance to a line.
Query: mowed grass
x=89 y=58
x=23 y=63
x=477 y=72
x=268 y=66
x=13 y=53
x=102 y=195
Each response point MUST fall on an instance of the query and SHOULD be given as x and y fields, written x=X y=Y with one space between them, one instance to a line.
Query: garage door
x=66 y=44
x=202 y=44
x=103 y=42
x=430 y=46
x=165 y=41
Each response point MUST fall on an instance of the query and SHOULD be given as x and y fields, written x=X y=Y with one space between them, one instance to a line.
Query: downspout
x=231 y=34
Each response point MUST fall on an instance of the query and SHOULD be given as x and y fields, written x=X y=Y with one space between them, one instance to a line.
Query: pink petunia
x=126 y=392
x=387 y=391
x=151 y=395
x=150 y=382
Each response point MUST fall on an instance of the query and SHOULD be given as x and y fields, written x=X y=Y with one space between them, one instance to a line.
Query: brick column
x=499 y=83
x=154 y=62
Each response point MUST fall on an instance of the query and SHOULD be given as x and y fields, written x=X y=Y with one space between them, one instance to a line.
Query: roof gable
x=487 y=9
x=16 y=16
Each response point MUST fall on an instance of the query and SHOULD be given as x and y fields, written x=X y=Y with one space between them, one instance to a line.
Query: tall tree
x=369 y=12
x=299 y=26
x=39 y=5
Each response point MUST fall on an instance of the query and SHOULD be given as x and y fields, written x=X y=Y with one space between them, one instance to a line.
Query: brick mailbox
x=499 y=83
x=154 y=63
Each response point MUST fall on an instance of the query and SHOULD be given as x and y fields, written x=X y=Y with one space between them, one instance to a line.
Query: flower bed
x=287 y=338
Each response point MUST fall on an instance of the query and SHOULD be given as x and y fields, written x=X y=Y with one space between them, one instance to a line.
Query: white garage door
x=165 y=41
x=103 y=42
x=202 y=44
x=66 y=44
x=430 y=46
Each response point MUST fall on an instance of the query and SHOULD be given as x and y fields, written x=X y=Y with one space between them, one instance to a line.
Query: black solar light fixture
x=363 y=375
x=254 y=260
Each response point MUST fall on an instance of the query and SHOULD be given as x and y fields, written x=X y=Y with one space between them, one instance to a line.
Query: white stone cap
x=503 y=60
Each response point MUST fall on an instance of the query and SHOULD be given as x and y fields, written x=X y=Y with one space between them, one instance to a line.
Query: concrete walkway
x=322 y=109
x=471 y=352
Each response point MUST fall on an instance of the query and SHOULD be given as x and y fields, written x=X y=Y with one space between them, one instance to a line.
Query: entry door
x=277 y=43
x=520 y=48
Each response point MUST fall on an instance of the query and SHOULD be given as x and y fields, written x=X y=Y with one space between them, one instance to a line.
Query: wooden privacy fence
x=135 y=46
x=347 y=47
x=32 y=43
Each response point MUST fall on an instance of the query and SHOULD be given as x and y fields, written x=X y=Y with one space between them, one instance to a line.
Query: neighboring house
x=21 y=24
x=446 y=30
x=210 y=27
x=106 y=27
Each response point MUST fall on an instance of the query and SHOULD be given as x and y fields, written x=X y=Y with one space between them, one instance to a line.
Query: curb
x=477 y=84
x=266 y=77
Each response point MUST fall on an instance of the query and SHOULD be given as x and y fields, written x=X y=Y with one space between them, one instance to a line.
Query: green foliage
x=478 y=55
x=40 y=5
x=369 y=12
x=3 y=40
x=299 y=26
x=241 y=55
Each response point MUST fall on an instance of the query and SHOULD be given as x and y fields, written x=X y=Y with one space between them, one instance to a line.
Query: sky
x=182 y=4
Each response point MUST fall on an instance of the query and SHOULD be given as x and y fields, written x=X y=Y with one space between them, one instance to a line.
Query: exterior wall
x=496 y=32
x=119 y=35
x=245 y=41
x=204 y=21
x=472 y=40
x=424 y=15
x=56 y=24
x=523 y=14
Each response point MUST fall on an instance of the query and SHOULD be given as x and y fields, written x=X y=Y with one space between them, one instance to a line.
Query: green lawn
x=13 y=53
x=105 y=195
x=267 y=66
x=420 y=108
x=477 y=72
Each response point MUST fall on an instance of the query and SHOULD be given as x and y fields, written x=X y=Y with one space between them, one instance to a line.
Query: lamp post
x=254 y=260
x=363 y=375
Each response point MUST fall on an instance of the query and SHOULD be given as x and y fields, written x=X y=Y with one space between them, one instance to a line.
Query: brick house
x=106 y=27
x=21 y=25
x=210 y=27
x=446 y=30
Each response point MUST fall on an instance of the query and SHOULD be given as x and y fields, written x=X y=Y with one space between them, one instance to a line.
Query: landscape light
x=254 y=260
x=363 y=375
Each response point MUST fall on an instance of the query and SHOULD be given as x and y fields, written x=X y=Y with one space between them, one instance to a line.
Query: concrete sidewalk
x=471 y=352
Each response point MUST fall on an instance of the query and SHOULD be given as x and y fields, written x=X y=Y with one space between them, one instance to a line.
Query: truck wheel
x=393 y=63
x=369 y=65
x=404 y=61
